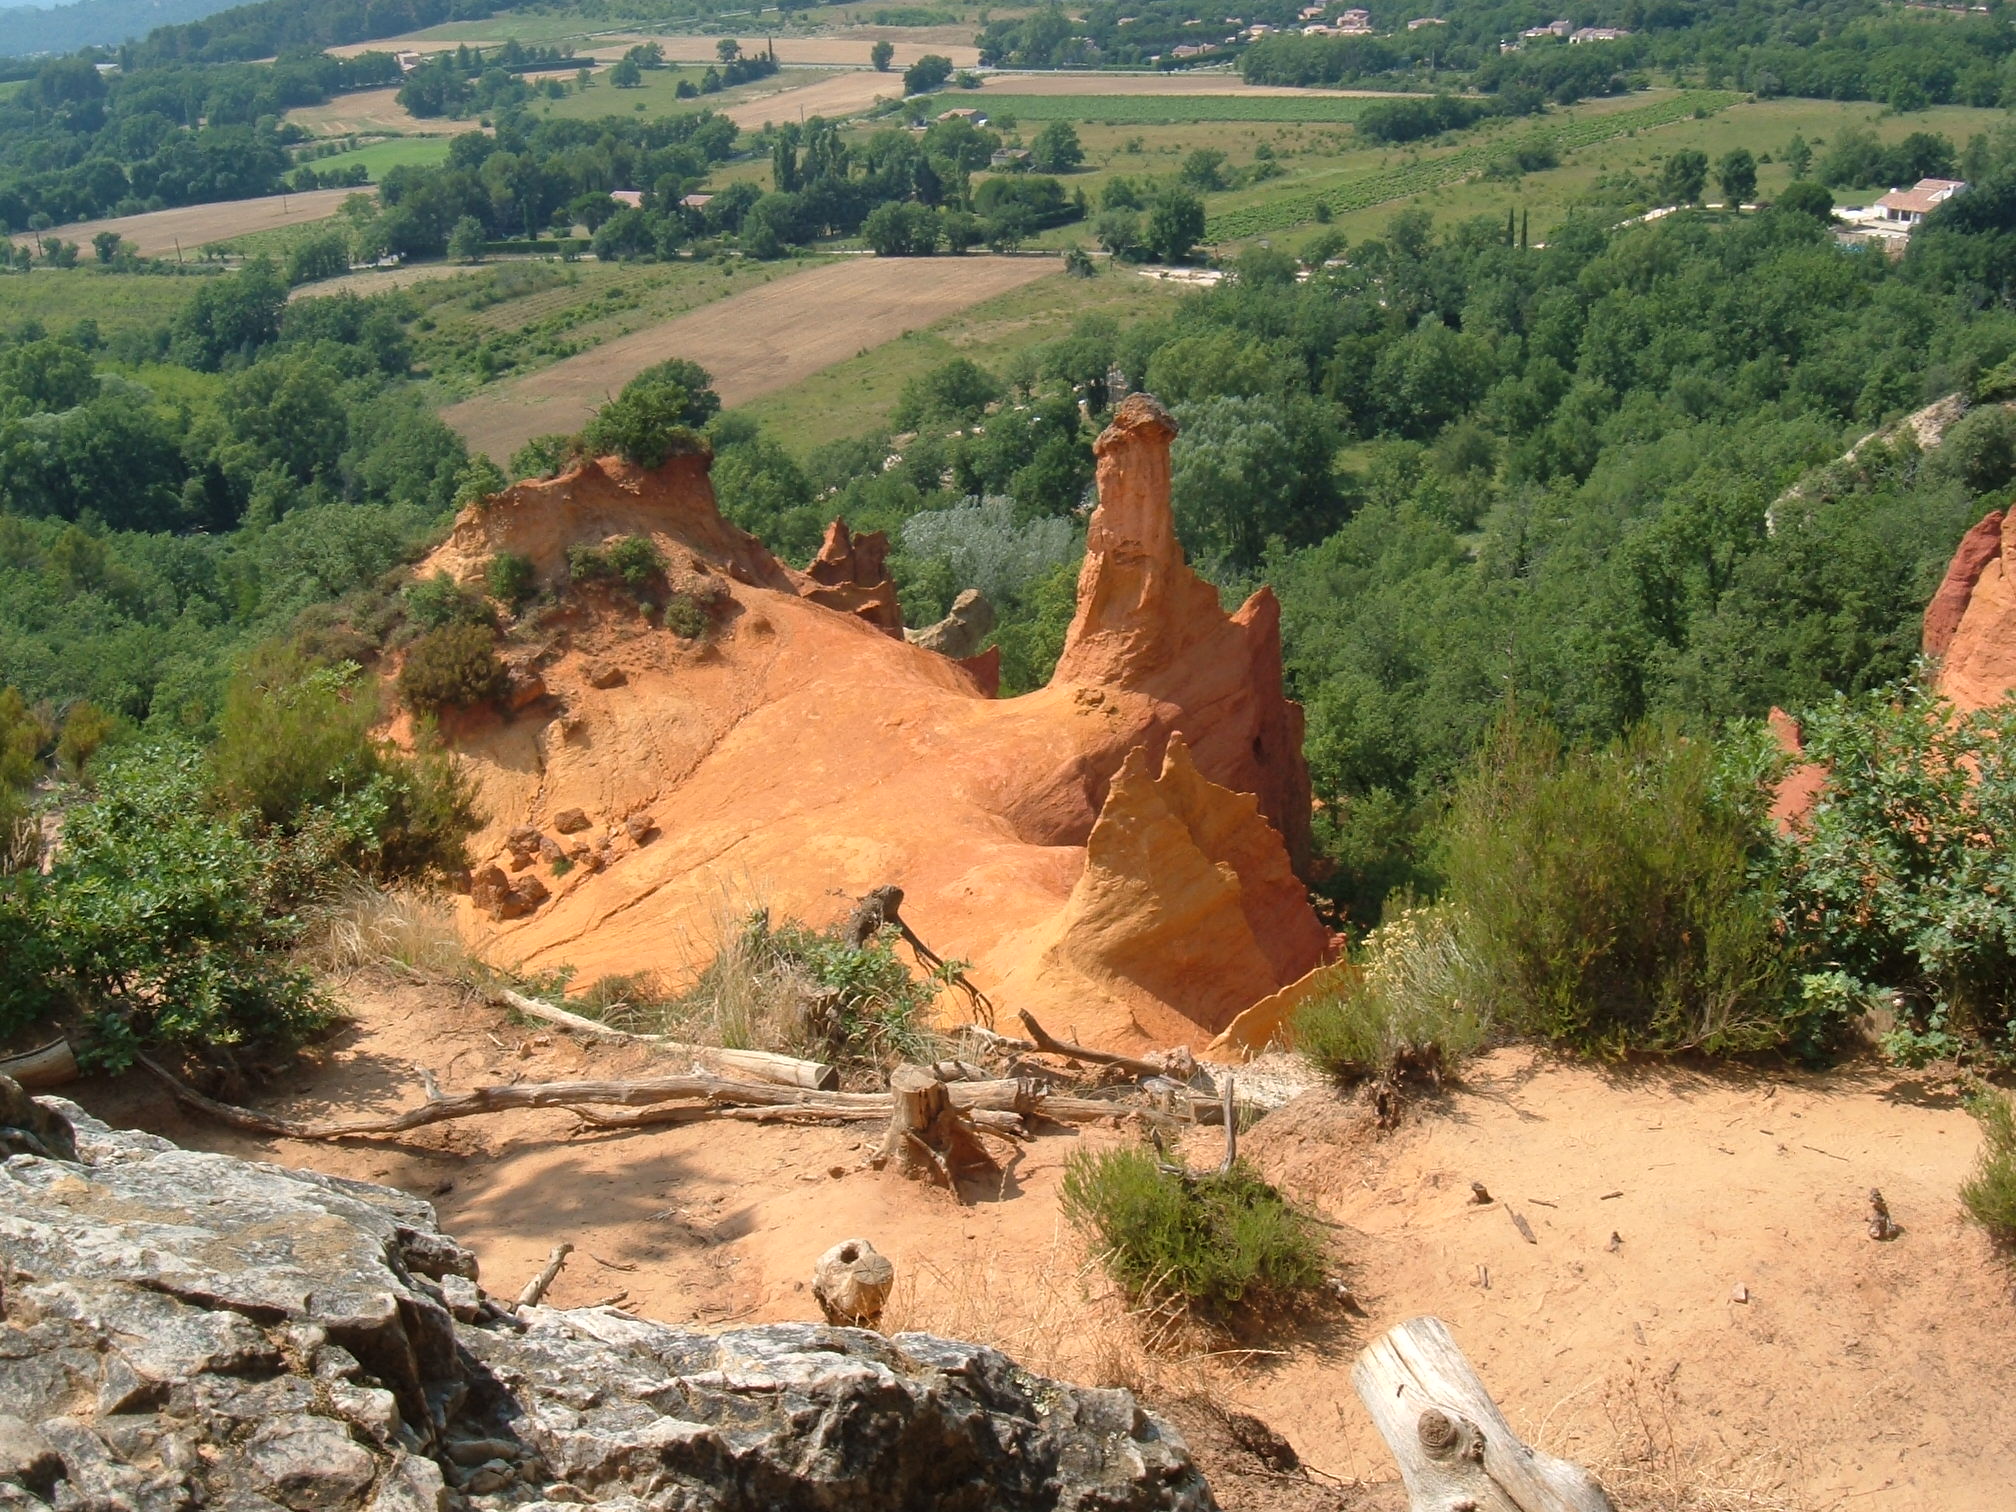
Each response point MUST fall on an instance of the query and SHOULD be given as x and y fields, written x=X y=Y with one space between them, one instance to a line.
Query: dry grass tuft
x=1054 y=1312
x=1646 y=1467
x=365 y=927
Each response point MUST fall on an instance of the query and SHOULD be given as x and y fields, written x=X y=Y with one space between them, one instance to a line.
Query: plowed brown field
x=753 y=343
x=159 y=232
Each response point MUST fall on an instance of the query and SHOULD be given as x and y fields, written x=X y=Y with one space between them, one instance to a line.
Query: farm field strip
x=1364 y=190
x=1050 y=82
x=159 y=232
x=1179 y=109
x=753 y=343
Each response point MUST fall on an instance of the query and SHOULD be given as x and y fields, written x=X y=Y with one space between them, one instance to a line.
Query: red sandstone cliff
x=1971 y=622
x=798 y=754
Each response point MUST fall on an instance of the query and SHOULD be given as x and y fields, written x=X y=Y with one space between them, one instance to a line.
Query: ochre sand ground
x=753 y=343
x=1857 y=1375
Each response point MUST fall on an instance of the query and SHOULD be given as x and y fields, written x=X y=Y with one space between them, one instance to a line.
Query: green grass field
x=1161 y=110
x=58 y=299
x=379 y=158
x=517 y=317
x=658 y=95
x=855 y=397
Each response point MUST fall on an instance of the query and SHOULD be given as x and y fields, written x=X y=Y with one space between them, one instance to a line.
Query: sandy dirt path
x=1857 y=1374
x=752 y=343
x=157 y=233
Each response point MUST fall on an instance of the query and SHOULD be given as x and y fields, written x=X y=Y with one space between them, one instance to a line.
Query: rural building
x=973 y=117
x=1009 y=158
x=695 y=201
x=1420 y=21
x=1907 y=207
x=1551 y=29
x=1598 y=34
x=634 y=198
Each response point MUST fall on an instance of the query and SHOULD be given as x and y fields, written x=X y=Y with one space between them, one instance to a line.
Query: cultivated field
x=753 y=343
x=160 y=232
x=366 y=111
x=830 y=51
x=1160 y=109
x=1161 y=84
x=841 y=94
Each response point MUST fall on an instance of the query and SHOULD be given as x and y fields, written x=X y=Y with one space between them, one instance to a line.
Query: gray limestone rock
x=185 y=1330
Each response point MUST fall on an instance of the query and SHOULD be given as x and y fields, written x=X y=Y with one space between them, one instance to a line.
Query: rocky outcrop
x=1970 y=625
x=797 y=755
x=851 y=574
x=959 y=634
x=1148 y=624
x=1186 y=901
x=186 y=1330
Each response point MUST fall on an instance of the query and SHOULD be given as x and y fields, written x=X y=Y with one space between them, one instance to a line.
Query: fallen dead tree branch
x=50 y=1065
x=1178 y=1063
x=696 y=1097
x=757 y=1065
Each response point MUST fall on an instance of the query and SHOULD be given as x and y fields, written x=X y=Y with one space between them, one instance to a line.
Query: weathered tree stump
x=1454 y=1446
x=852 y=1282
x=928 y=1138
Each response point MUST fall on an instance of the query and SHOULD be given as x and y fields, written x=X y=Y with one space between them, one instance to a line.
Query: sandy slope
x=1858 y=1375
x=753 y=343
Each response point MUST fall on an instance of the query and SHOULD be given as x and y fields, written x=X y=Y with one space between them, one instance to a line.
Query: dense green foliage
x=1211 y=1240
x=1411 y=1012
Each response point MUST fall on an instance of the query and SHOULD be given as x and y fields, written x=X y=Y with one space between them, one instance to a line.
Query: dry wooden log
x=851 y=1282
x=1454 y=1447
x=666 y=1114
x=929 y=1138
x=697 y=1097
x=1178 y=1062
x=757 y=1065
x=49 y=1065
x=536 y=1287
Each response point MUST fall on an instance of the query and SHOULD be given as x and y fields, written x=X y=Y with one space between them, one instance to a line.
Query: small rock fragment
x=570 y=821
x=1478 y=1194
x=606 y=675
x=1741 y=1293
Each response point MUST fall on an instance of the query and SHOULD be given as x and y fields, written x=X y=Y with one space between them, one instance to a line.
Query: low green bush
x=1621 y=899
x=542 y=457
x=1903 y=879
x=1410 y=1014
x=455 y=667
x=295 y=752
x=655 y=418
x=439 y=601
x=510 y=579
x=685 y=616
x=161 y=922
x=1990 y=1193
x=1209 y=1240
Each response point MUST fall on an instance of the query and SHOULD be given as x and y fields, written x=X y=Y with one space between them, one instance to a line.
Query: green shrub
x=22 y=736
x=685 y=616
x=1616 y=899
x=1990 y=1193
x=86 y=727
x=1411 y=1013
x=1210 y=1240
x=162 y=921
x=295 y=752
x=435 y=602
x=451 y=668
x=542 y=457
x=510 y=579
x=653 y=419
x=1904 y=875
x=632 y=563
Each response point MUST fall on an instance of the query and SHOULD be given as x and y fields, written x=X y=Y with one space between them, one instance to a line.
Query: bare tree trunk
x=1454 y=1447
x=928 y=1138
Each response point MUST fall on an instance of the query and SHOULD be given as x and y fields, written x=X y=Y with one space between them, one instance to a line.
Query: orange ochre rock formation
x=1970 y=625
x=1116 y=852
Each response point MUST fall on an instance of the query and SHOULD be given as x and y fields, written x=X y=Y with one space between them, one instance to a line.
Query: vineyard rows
x=1423 y=174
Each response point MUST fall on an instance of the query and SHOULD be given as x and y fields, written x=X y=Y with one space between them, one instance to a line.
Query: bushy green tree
x=1056 y=148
